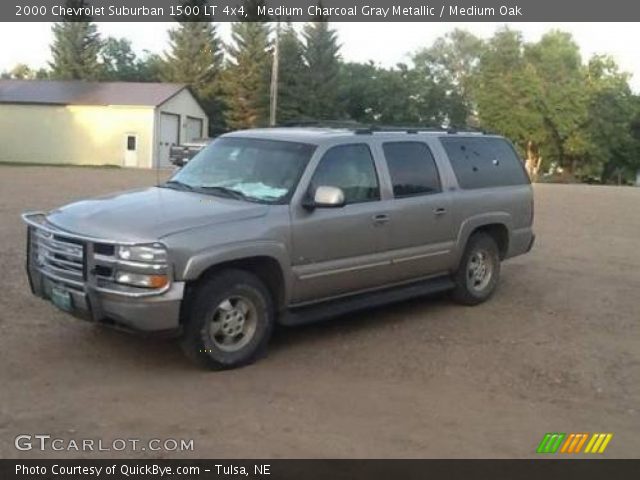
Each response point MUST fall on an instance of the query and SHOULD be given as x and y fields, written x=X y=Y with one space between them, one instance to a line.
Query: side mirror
x=326 y=197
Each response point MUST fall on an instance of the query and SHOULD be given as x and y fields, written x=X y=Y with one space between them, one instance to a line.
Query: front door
x=131 y=150
x=337 y=251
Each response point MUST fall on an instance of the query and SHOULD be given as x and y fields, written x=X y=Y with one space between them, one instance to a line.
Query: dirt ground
x=556 y=350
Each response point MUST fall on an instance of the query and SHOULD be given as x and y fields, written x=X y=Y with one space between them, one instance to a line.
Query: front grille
x=104 y=249
x=60 y=257
x=81 y=263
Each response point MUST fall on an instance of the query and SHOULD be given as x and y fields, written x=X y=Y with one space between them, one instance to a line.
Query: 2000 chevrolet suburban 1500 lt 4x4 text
x=287 y=225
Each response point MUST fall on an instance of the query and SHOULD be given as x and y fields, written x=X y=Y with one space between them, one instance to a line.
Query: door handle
x=380 y=218
x=439 y=211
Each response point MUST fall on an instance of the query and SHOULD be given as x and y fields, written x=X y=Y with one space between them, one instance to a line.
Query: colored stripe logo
x=574 y=443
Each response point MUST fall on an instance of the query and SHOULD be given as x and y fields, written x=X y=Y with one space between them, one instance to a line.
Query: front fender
x=198 y=263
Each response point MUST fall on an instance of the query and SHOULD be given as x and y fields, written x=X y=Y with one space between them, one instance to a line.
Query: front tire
x=477 y=276
x=230 y=321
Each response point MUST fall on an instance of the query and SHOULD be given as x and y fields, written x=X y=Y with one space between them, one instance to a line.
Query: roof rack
x=345 y=124
x=396 y=128
x=364 y=129
x=468 y=129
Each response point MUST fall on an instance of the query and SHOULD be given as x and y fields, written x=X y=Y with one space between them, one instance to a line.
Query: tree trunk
x=533 y=161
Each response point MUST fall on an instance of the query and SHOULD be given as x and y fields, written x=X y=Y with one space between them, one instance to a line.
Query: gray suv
x=287 y=226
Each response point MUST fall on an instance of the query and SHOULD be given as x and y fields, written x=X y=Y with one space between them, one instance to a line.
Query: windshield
x=245 y=168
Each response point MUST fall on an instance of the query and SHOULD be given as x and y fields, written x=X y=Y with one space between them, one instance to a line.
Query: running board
x=377 y=298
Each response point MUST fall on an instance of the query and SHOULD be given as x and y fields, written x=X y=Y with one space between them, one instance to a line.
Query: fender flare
x=202 y=261
x=471 y=224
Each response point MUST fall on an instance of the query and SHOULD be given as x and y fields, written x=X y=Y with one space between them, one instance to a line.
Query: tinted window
x=351 y=168
x=484 y=162
x=412 y=168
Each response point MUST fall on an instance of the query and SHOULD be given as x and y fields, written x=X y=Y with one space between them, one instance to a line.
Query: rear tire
x=230 y=321
x=477 y=276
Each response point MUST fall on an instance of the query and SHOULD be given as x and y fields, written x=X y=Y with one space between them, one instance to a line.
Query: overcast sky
x=384 y=43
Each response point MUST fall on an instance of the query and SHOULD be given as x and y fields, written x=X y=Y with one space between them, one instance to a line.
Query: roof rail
x=467 y=129
x=368 y=129
x=346 y=124
x=405 y=129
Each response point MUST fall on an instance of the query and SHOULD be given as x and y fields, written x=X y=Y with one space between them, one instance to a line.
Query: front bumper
x=90 y=300
x=145 y=314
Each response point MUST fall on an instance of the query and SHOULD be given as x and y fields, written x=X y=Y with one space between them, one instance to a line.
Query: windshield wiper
x=177 y=183
x=227 y=192
x=213 y=189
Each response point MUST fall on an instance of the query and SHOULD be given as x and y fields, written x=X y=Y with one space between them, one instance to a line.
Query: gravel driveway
x=556 y=350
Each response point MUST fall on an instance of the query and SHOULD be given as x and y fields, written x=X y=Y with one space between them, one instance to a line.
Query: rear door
x=337 y=251
x=421 y=227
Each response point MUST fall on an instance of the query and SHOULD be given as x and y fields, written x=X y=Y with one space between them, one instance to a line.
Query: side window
x=412 y=168
x=351 y=168
x=484 y=162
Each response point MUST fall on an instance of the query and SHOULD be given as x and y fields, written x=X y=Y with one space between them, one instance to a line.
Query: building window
x=131 y=143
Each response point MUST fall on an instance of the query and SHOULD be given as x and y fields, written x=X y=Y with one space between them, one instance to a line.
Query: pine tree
x=75 y=47
x=195 y=58
x=321 y=53
x=249 y=70
x=291 y=95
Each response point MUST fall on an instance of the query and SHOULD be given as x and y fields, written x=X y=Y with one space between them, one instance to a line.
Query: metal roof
x=78 y=92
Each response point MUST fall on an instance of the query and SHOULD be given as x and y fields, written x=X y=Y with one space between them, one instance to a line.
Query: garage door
x=194 y=129
x=169 y=135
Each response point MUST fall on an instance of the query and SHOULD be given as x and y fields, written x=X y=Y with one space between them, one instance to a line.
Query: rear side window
x=412 y=168
x=484 y=162
x=351 y=168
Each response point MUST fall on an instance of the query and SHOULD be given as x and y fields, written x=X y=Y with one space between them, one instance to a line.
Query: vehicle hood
x=150 y=214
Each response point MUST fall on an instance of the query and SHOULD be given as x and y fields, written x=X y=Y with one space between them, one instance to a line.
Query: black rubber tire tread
x=461 y=293
x=195 y=341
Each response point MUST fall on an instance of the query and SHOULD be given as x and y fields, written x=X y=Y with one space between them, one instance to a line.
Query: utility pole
x=273 y=97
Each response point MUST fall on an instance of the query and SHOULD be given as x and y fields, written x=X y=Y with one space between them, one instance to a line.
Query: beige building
x=91 y=123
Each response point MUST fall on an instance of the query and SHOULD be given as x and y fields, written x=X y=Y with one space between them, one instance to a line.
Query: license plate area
x=61 y=298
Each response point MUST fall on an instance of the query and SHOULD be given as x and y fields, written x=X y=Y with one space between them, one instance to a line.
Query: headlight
x=141 y=280
x=143 y=253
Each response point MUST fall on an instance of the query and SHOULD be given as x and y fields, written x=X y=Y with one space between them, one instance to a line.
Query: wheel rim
x=479 y=270
x=233 y=323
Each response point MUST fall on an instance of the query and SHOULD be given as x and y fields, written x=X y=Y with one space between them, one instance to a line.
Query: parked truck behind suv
x=287 y=226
